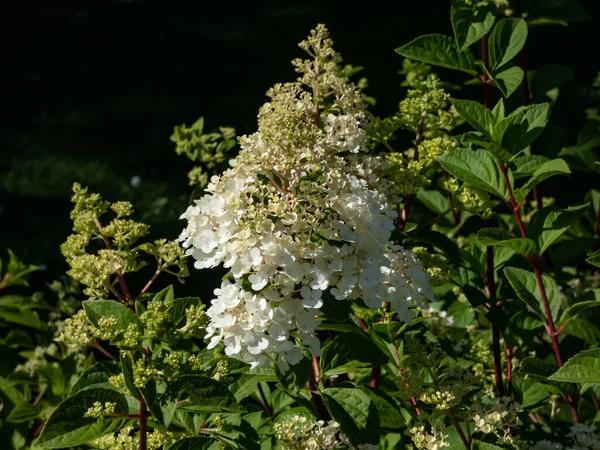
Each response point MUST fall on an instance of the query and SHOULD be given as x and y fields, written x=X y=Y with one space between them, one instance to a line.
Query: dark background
x=97 y=86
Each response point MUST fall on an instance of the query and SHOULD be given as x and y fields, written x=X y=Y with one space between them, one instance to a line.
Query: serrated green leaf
x=549 y=223
x=350 y=351
x=536 y=367
x=476 y=115
x=508 y=80
x=520 y=281
x=517 y=131
x=23 y=412
x=194 y=443
x=577 y=308
x=551 y=168
x=67 y=427
x=526 y=165
x=439 y=50
x=389 y=413
x=96 y=377
x=96 y=309
x=434 y=200
x=471 y=22
x=526 y=320
x=529 y=283
x=500 y=238
x=581 y=368
x=476 y=168
x=583 y=329
x=594 y=258
x=506 y=41
x=198 y=393
x=355 y=412
x=246 y=385
x=479 y=445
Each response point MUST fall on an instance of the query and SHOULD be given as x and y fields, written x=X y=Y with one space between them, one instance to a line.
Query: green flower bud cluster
x=143 y=372
x=405 y=173
x=78 y=332
x=414 y=72
x=441 y=400
x=222 y=372
x=37 y=359
x=195 y=321
x=423 y=440
x=437 y=266
x=430 y=149
x=117 y=381
x=476 y=201
x=208 y=149
x=426 y=107
x=100 y=411
x=155 y=318
x=124 y=440
x=99 y=270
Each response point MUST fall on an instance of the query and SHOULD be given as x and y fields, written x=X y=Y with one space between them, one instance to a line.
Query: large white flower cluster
x=302 y=218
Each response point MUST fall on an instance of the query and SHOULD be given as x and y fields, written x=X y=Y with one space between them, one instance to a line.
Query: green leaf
x=23 y=412
x=335 y=310
x=577 y=308
x=525 y=320
x=520 y=280
x=508 y=80
x=476 y=115
x=96 y=377
x=517 y=131
x=471 y=22
x=439 y=50
x=198 y=393
x=546 y=80
x=389 y=413
x=176 y=311
x=583 y=329
x=526 y=165
x=67 y=427
x=350 y=351
x=594 y=258
x=536 y=367
x=195 y=443
x=356 y=413
x=552 y=290
x=580 y=158
x=534 y=394
x=433 y=200
x=476 y=168
x=501 y=238
x=95 y=309
x=581 y=368
x=479 y=445
x=246 y=385
x=554 y=167
x=506 y=41
x=549 y=223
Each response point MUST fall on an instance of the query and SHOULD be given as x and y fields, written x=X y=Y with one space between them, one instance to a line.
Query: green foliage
x=513 y=274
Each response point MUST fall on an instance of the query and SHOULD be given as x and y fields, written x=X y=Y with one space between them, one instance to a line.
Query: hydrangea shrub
x=377 y=295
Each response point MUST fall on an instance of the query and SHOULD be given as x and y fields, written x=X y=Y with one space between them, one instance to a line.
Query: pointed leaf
x=439 y=50
x=350 y=351
x=476 y=115
x=581 y=368
x=356 y=413
x=536 y=367
x=67 y=426
x=517 y=131
x=506 y=41
x=526 y=165
x=549 y=169
x=501 y=238
x=476 y=168
x=201 y=394
x=471 y=22
x=577 y=308
x=508 y=80
x=95 y=309
x=549 y=223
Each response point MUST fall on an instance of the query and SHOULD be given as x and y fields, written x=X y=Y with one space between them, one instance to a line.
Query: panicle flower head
x=303 y=217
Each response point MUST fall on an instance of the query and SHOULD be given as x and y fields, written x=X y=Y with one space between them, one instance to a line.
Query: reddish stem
x=597 y=224
x=375 y=377
x=509 y=358
x=143 y=417
x=264 y=400
x=105 y=352
x=149 y=283
x=550 y=328
x=490 y=277
x=463 y=438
